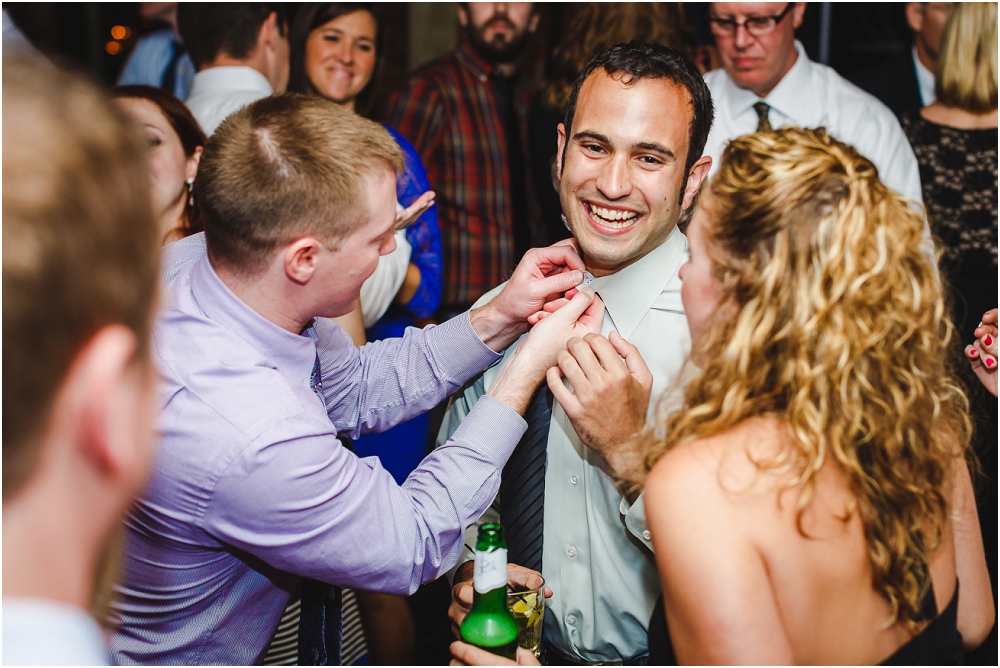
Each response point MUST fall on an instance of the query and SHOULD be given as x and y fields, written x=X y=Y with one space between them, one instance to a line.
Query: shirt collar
x=629 y=293
x=791 y=97
x=925 y=80
x=230 y=78
x=284 y=351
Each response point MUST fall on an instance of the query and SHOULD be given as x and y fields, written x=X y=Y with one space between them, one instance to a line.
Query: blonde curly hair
x=840 y=331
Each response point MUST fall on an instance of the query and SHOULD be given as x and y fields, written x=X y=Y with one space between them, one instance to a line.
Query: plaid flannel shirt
x=448 y=111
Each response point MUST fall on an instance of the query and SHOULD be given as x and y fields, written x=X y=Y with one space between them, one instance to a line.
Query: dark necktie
x=763 y=124
x=320 y=632
x=521 y=499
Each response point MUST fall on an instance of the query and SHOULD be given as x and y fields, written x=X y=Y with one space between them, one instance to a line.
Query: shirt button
x=646 y=535
x=573 y=479
x=571 y=619
x=571 y=551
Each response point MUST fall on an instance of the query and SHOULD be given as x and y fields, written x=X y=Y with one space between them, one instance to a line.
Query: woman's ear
x=191 y=170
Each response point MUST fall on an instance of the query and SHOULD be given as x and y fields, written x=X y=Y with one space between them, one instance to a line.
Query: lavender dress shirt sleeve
x=252 y=488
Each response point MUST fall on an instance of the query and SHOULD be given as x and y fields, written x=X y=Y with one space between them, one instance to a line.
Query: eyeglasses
x=755 y=25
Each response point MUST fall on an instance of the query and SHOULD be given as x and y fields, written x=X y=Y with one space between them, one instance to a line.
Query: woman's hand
x=468 y=655
x=409 y=215
x=982 y=353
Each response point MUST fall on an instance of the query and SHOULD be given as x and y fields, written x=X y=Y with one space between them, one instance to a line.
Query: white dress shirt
x=925 y=79
x=597 y=555
x=813 y=95
x=43 y=632
x=219 y=91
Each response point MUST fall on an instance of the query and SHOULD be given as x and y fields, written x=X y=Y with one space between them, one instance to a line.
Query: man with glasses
x=767 y=82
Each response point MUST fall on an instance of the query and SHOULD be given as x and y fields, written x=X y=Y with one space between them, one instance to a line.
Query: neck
x=49 y=550
x=272 y=299
x=174 y=219
x=789 y=64
x=957 y=117
x=254 y=61
x=926 y=58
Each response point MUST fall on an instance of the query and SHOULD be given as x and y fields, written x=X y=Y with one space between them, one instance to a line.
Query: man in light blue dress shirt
x=630 y=163
x=252 y=489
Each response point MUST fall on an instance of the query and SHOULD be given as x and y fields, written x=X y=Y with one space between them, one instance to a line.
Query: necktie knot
x=763 y=123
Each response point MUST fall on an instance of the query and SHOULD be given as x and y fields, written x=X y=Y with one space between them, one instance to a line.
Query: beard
x=498 y=50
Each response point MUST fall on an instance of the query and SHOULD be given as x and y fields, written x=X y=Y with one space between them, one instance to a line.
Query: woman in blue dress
x=335 y=54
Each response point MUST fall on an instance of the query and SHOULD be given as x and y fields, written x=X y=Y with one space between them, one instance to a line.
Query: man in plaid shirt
x=465 y=113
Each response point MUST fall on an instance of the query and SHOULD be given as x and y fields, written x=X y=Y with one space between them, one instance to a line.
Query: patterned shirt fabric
x=448 y=110
x=251 y=490
x=958 y=170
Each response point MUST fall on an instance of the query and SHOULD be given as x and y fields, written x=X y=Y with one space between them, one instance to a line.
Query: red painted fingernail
x=988 y=340
x=990 y=362
x=973 y=352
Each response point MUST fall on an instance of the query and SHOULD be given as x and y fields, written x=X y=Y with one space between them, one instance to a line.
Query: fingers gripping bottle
x=489 y=624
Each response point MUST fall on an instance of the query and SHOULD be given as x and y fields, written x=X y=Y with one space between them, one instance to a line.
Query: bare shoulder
x=729 y=460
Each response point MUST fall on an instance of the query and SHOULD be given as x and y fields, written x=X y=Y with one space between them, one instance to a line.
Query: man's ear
x=915 y=16
x=300 y=259
x=533 y=21
x=463 y=14
x=96 y=406
x=269 y=32
x=798 y=14
x=560 y=149
x=697 y=175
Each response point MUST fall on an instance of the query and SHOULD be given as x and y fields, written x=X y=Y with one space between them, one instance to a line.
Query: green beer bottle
x=489 y=624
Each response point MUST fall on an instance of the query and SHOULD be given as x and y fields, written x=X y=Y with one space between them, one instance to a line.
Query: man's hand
x=609 y=399
x=982 y=354
x=526 y=369
x=461 y=593
x=468 y=655
x=542 y=274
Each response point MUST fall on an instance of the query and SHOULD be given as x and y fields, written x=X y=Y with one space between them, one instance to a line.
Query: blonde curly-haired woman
x=810 y=502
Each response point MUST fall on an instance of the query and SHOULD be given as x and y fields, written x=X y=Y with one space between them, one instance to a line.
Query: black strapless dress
x=939 y=644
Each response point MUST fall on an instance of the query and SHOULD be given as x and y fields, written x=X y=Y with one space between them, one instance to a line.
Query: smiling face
x=621 y=176
x=758 y=62
x=700 y=287
x=169 y=167
x=340 y=56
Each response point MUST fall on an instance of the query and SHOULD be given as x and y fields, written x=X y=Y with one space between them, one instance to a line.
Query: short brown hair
x=284 y=167
x=79 y=242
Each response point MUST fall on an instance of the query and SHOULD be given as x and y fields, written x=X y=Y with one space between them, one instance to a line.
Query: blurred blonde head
x=838 y=328
x=966 y=73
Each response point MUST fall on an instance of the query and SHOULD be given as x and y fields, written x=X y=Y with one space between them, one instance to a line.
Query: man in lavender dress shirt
x=251 y=489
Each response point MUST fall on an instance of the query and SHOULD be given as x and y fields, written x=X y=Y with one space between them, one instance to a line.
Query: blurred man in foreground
x=79 y=277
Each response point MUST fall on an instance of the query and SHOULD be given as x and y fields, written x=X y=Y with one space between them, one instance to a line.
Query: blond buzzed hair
x=284 y=167
x=80 y=246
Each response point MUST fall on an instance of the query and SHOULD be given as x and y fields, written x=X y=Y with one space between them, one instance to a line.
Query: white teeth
x=613 y=217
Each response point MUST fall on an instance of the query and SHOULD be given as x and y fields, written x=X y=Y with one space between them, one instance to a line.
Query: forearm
x=389 y=381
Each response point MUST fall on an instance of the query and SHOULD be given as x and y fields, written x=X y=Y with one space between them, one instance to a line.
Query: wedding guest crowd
x=718 y=349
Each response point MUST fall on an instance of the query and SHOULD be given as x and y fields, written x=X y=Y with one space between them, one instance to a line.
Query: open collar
x=290 y=353
x=630 y=293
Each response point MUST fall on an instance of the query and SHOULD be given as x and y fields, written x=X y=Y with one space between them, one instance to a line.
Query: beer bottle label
x=491 y=570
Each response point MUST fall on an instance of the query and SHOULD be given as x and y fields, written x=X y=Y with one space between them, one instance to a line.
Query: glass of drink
x=527 y=603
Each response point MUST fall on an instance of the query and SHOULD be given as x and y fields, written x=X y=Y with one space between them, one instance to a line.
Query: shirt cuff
x=459 y=350
x=492 y=428
x=635 y=520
